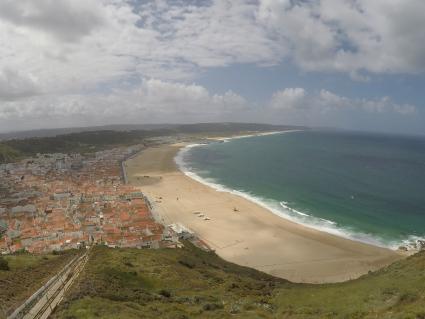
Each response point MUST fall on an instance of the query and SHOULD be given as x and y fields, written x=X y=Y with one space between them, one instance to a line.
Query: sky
x=351 y=64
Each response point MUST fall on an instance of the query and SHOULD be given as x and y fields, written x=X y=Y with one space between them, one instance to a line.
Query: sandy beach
x=251 y=236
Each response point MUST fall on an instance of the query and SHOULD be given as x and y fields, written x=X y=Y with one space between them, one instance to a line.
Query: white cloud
x=290 y=98
x=70 y=46
x=66 y=20
x=158 y=101
x=83 y=60
x=216 y=34
x=298 y=102
x=380 y=36
x=385 y=104
x=15 y=84
x=324 y=108
x=74 y=45
x=154 y=101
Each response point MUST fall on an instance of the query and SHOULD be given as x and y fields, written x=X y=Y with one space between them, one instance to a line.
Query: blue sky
x=258 y=84
x=353 y=64
x=266 y=80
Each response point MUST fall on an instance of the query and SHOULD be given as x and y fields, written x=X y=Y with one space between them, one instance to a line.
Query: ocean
x=363 y=186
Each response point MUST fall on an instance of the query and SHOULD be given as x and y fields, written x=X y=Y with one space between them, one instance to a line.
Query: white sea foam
x=285 y=206
x=228 y=139
x=282 y=209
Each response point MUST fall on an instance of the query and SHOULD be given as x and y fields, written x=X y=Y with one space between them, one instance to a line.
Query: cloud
x=15 y=84
x=217 y=33
x=290 y=98
x=78 y=61
x=74 y=46
x=325 y=108
x=385 y=104
x=299 y=100
x=65 y=20
x=352 y=36
x=158 y=101
x=153 y=101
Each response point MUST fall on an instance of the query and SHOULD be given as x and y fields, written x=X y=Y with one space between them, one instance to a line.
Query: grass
x=190 y=283
x=397 y=291
x=27 y=273
x=8 y=154
x=166 y=283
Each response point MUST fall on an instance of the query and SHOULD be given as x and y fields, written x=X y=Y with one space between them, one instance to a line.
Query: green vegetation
x=4 y=264
x=166 y=283
x=85 y=142
x=7 y=153
x=92 y=141
x=25 y=275
x=190 y=283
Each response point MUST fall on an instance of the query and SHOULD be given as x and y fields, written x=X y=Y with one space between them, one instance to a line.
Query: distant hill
x=62 y=131
x=94 y=140
x=190 y=283
x=129 y=127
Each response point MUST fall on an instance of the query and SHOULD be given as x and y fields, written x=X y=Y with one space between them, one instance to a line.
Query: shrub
x=408 y=297
x=420 y=315
x=4 y=265
x=187 y=262
x=21 y=251
x=165 y=293
x=212 y=306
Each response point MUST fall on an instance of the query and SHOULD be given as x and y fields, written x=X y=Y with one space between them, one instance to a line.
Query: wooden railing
x=45 y=299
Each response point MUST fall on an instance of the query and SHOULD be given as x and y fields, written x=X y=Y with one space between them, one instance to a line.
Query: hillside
x=139 y=127
x=190 y=283
x=91 y=141
x=25 y=275
x=8 y=153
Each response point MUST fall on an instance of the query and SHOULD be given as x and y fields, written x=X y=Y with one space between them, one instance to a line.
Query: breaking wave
x=283 y=209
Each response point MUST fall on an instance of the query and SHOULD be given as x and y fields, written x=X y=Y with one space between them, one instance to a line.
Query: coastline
x=225 y=138
x=298 y=217
x=253 y=235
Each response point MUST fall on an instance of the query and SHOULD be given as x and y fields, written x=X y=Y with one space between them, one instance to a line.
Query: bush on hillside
x=4 y=265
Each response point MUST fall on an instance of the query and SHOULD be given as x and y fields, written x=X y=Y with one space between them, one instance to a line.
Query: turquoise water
x=368 y=187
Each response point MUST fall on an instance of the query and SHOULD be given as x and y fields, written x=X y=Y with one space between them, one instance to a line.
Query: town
x=54 y=202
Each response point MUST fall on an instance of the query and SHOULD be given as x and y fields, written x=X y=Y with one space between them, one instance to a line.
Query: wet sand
x=251 y=236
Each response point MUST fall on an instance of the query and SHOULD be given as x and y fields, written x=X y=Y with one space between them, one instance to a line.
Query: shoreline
x=316 y=223
x=232 y=137
x=253 y=236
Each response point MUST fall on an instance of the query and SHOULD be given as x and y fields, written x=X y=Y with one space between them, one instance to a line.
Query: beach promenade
x=245 y=233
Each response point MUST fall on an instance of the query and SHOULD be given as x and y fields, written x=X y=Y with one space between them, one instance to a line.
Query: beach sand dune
x=249 y=235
